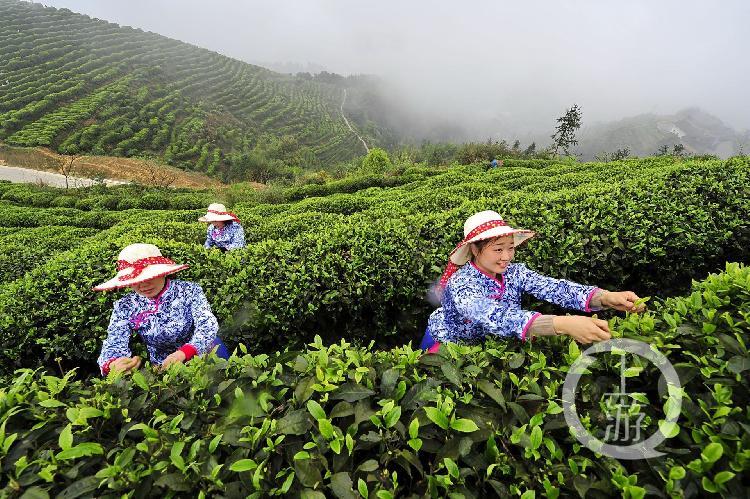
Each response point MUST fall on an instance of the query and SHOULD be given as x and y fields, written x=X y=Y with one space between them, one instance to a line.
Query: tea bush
x=358 y=266
x=25 y=249
x=106 y=198
x=342 y=421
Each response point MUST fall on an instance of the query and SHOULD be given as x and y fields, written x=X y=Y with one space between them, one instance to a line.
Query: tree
x=157 y=175
x=618 y=155
x=376 y=161
x=565 y=132
x=66 y=167
x=531 y=150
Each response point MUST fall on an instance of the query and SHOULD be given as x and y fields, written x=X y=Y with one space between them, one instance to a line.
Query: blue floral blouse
x=475 y=304
x=232 y=236
x=179 y=316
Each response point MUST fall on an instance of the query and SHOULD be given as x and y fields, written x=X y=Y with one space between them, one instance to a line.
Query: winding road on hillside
x=367 y=149
x=26 y=175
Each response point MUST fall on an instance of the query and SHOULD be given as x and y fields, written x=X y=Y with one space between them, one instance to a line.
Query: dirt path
x=88 y=167
x=26 y=175
x=367 y=149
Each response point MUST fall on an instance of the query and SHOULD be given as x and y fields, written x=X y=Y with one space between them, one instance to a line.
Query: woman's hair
x=480 y=245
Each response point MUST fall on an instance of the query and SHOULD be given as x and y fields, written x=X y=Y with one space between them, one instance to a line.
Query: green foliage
x=359 y=265
x=106 y=198
x=565 y=131
x=376 y=161
x=481 y=421
x=24 y=249
x=440 y=154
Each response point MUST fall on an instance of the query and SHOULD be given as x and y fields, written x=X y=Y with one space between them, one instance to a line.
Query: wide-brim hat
x=138 y=263
x=485 y=225
x=218 y=213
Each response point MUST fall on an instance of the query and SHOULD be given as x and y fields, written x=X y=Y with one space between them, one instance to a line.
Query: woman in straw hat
x=480 y=293
x=224 y=229
x=172 y=317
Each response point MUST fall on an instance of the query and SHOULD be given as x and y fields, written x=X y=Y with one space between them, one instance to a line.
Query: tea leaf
x=437 y=417
x=352 y=392
x=464 y=425
x=243 y=465
x=316 y=410
x=712 y=452
x=294 y=423
x=341 y=485
x=65 y=441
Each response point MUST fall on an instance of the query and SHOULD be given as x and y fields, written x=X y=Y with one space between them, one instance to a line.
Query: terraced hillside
x=83 y=85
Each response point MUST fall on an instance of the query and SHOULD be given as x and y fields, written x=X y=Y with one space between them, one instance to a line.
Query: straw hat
x=485 y=225
x=138 y=263
x=218 y=213
x=478 y=227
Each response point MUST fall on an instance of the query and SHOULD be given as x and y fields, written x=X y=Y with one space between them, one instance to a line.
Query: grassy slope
x=78 y=84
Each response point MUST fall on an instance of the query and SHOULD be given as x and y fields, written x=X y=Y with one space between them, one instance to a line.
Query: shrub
x=480 y=421
x=63 y=202
x=376 y=161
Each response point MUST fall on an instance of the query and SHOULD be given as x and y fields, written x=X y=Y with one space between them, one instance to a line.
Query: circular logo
x=621 y=420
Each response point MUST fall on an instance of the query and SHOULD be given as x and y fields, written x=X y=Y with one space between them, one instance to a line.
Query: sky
x=514 y=64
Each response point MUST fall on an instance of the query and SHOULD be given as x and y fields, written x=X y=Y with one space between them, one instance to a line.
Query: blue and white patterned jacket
x=179 y=316
x=232 y=236
x=475 y=304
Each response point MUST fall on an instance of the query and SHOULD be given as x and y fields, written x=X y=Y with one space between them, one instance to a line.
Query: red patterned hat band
x=481 y=228
x=452 y=268
x=234 y=217
x=139 y=265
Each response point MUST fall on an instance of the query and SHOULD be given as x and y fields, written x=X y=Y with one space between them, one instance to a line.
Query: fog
x=496 y=68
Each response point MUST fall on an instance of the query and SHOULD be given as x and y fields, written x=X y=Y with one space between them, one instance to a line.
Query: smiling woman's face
x=495 y=257
x=150 y=288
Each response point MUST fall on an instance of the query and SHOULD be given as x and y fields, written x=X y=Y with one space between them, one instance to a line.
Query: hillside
x=698 y=131
x=82 y=85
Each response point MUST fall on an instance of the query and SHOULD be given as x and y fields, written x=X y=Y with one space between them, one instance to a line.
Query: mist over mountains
x=697 y=130
x=500 y=69
x=398 y=83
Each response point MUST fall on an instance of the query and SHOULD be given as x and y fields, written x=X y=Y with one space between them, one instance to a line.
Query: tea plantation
x=326 y=395
x=82 y=85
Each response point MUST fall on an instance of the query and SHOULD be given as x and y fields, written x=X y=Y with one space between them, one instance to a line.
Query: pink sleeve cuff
x=189 y=350
x=105 y=367
x=528 y=325
x=591 y=297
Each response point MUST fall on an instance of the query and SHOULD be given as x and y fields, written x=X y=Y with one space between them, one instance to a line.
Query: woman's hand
x=623 y=301
x=125 y=364
x=177 y=357
x=581 y=328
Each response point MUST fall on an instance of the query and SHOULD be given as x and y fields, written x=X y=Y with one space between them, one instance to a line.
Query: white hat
x=478 y=227
x=138 y=263
x=485 y=225
x=218 y=213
